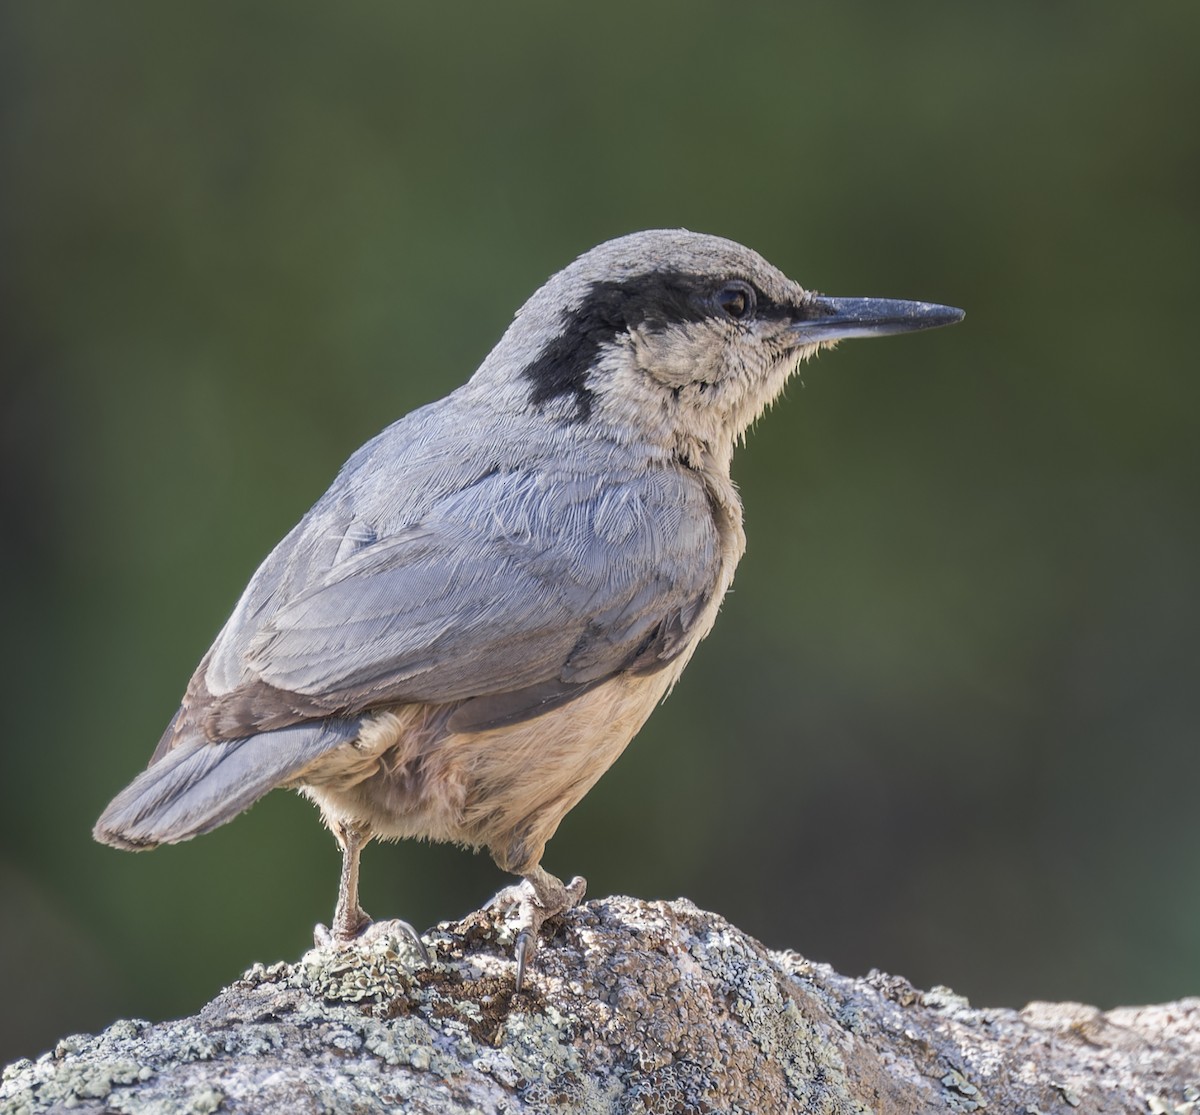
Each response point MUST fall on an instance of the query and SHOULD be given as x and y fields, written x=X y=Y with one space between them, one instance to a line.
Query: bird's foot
x=348 y=925
x=359 y=928
x=537 y=898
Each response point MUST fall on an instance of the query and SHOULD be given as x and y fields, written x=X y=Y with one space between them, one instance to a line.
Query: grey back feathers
x=516 y=576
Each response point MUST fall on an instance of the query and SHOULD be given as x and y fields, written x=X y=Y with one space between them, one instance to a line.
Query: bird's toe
x=536 y=899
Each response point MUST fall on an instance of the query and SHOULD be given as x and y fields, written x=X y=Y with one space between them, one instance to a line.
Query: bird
x=468 y=628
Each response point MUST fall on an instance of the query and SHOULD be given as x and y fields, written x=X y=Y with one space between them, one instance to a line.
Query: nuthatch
x=468 y=628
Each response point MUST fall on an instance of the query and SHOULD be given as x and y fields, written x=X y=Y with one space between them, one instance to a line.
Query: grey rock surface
x=634 y=1007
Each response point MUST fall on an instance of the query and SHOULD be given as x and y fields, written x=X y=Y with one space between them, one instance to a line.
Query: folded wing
x=521 y=587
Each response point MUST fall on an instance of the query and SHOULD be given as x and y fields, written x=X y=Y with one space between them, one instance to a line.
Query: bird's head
x=677 y=339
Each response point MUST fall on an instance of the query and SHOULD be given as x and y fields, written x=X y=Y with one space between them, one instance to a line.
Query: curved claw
x=537 y=898
x=526 y=946
x=415 y=940
x=383 y=928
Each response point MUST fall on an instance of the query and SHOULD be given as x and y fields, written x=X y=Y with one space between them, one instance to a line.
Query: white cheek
x=674 y=358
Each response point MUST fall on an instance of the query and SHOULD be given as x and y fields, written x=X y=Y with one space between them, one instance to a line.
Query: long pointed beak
x=835 y=319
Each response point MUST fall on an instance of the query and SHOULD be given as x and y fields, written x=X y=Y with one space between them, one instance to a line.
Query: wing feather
x=467 y=605
x=470 y=578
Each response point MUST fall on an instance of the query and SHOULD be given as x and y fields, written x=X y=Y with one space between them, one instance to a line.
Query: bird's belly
x=504 y=788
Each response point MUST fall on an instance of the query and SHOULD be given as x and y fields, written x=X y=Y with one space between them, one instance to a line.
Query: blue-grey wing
x=520 y=587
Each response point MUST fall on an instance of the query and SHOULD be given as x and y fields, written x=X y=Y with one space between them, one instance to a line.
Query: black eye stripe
x=654 y=300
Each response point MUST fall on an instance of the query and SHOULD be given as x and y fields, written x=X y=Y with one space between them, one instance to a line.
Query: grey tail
x=199 y=785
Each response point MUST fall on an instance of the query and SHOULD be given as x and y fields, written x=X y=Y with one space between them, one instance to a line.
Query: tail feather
x=195 y=787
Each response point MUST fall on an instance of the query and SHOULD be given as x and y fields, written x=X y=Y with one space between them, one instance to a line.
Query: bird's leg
x=350 y=921
x=537 y=898
x=349 y=918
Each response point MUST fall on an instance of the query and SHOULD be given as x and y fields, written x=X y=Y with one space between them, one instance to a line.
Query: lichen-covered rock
x=634 y=1007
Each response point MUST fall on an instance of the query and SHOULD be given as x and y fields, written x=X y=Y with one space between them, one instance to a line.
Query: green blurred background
x=946 y=724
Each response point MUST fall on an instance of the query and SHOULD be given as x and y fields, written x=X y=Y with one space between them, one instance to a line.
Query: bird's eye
x=736 y=300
